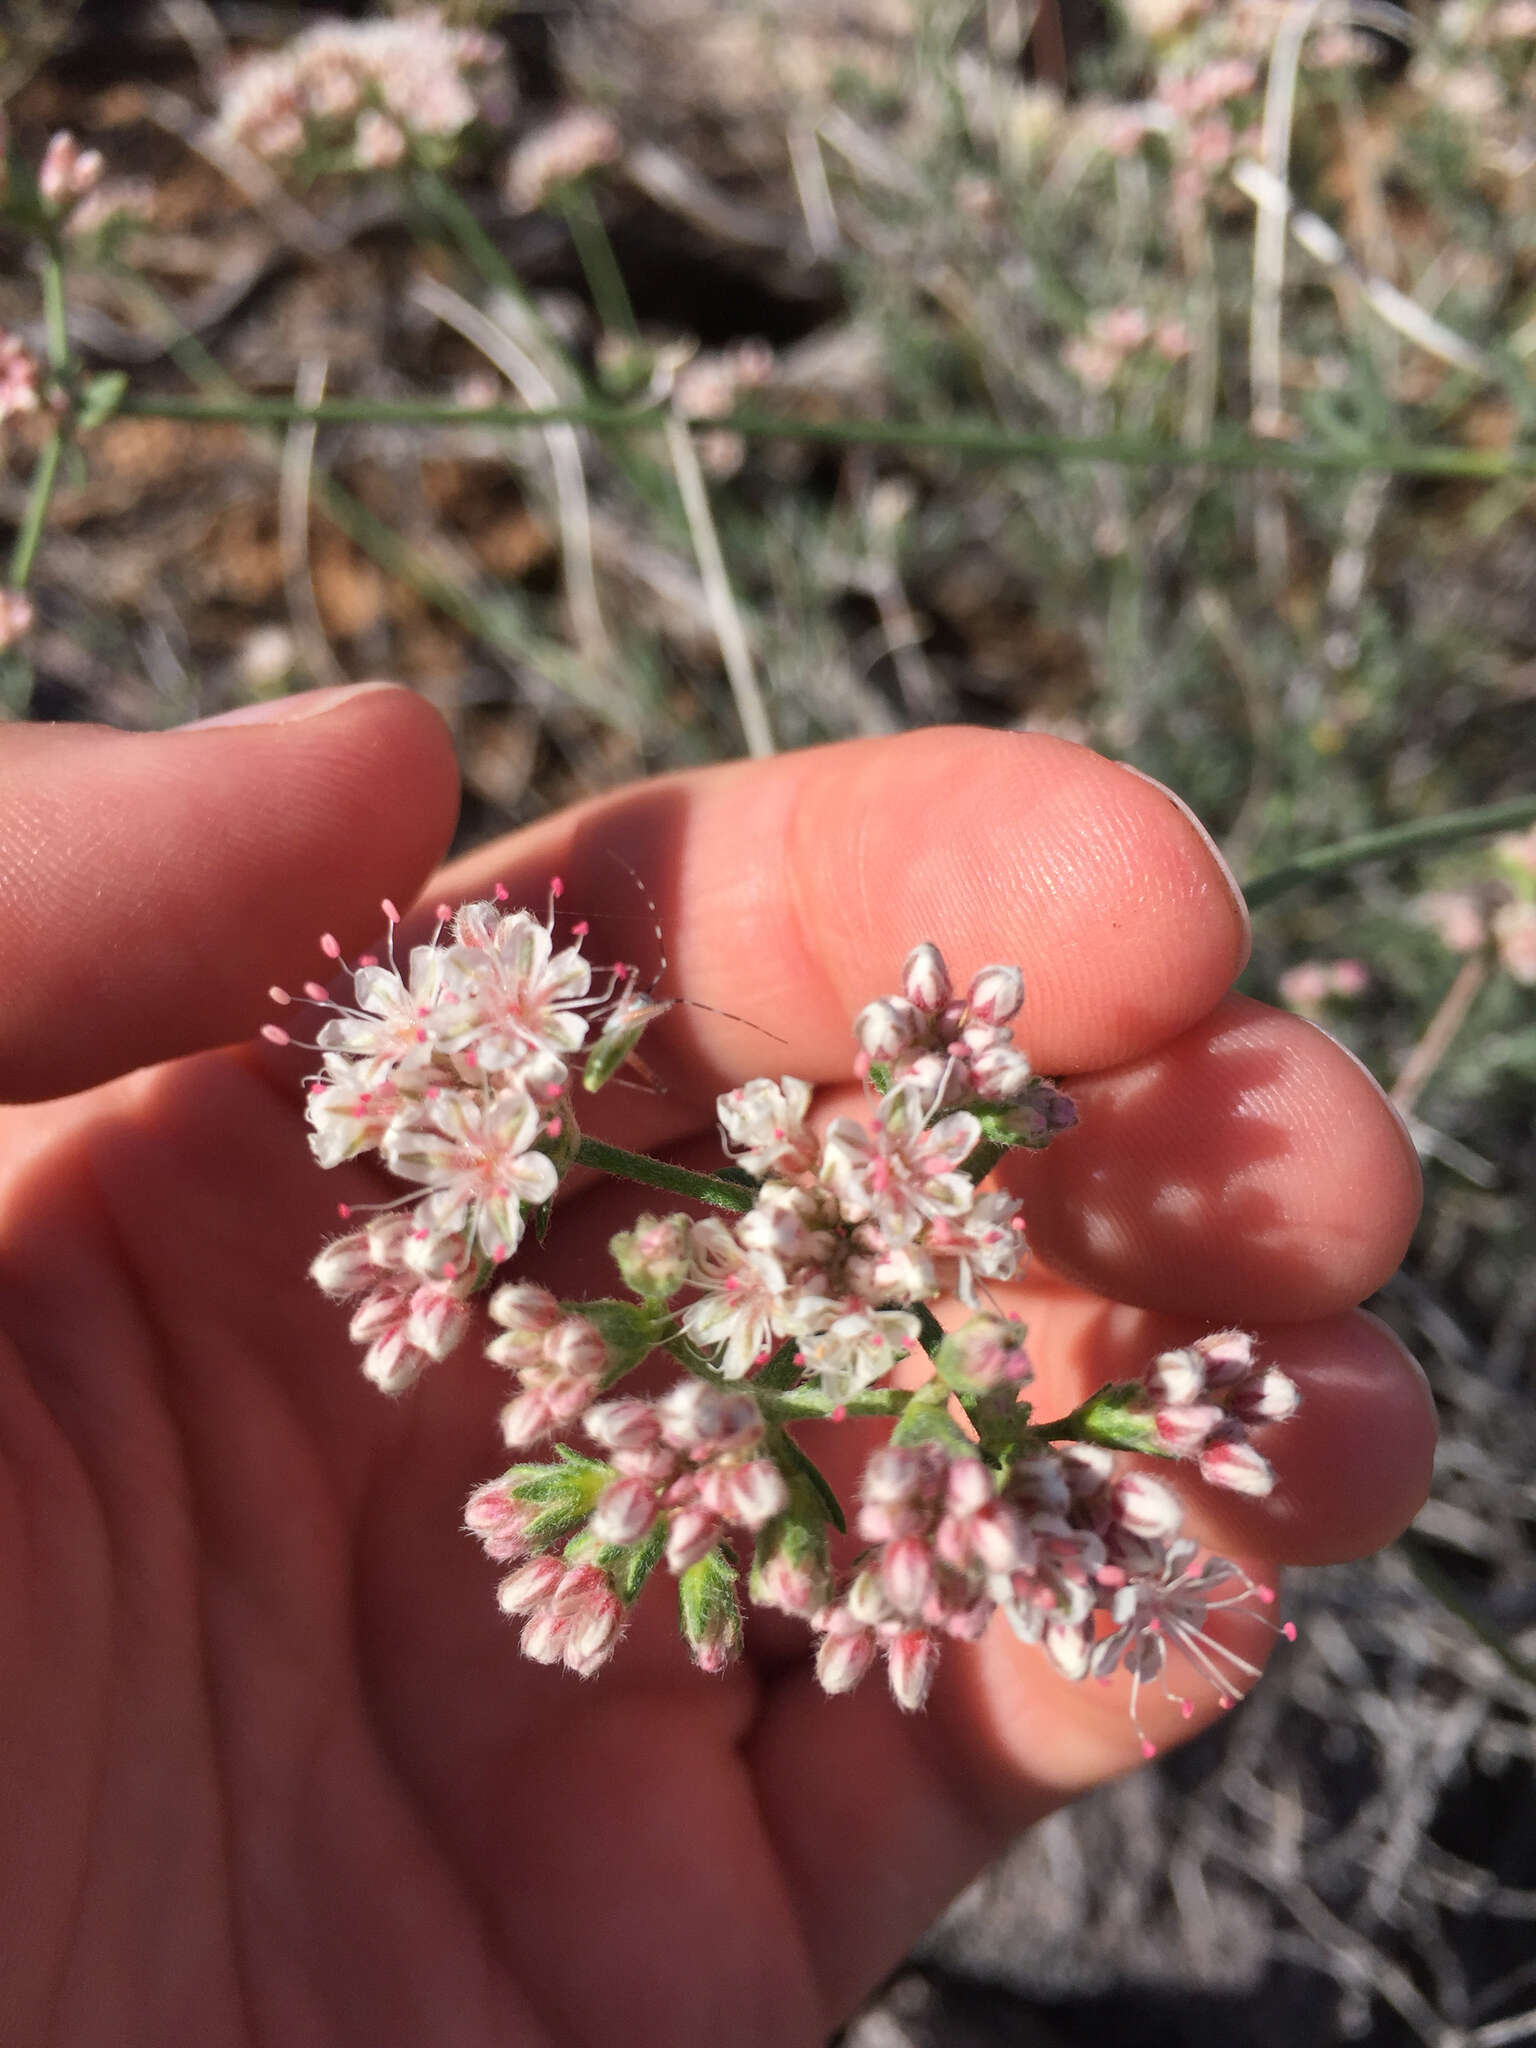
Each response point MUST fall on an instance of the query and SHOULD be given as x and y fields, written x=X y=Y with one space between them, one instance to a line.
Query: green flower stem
x=656 y=1173
x=807 y=1404
x=438 y=197
x=974 y=438
x=979 y=1162
x=45 y=475
x=1446 y=830
x=1439 y=1584
x=55 y=321
x=599 y=264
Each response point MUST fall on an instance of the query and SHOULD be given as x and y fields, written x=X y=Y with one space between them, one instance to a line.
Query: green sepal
x=1117 y=1416
x=927 y=1420
x=707 y=1604
x=789 y=1452
x=543 y=1216
x=629 y=1565
x=880 y=1077
x=630 y=1329
x=565 y=1493
x=99 y=399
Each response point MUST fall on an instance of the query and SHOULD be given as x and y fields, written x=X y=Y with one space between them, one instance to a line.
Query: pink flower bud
x=696 y=1417
x=525 y=1420
x=393 y=1364
x=968 y=1487
x=911 y=1659
x=524 y=1305
x=1184 y=1430
x=925 y=979
x=793 y=1587
x=1176 y=1378
x=627 y=1424
x=1000 y=1540
x=1270 y=1396
x=1228 y=1356
x=691 y=1534
x=1147 y=1507
x=887 y=1028
x=575 y=1348
x=531 y=1585
x=843 y=1659
x=896 y=1475
x=377 y=1313
x=756 y=1493
x=344 y=1267
x=718 y=1647
x=866 y=1600
x=907 y=1575
x=625 y=1510
x=594 y=1616
x=997 y=993
x=1239 y=1468
x=438 y=1319
x=500 y=1522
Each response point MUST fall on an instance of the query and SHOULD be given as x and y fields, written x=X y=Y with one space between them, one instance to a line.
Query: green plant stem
x=1439 y=1584
x=1446 y=830
x=45 y=474
x=599 y=264
x=438 y=196
x=955 y=437
x=656 y=1173
x=56 y=324
x=39 y=496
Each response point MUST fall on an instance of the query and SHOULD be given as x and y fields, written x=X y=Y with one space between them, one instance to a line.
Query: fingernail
x=289 y=710
x=1212 y=848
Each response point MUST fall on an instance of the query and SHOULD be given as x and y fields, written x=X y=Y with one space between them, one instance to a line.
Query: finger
x=789 y=891
x=152 y=885
x=1249 y=1171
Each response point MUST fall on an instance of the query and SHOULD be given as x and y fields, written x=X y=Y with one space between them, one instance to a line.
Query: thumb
x=152 y=885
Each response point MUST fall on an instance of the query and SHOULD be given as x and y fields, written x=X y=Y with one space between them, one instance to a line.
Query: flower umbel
x=457 y=1072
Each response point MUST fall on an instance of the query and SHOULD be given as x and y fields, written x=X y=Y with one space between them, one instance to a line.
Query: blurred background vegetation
x=1162 y=221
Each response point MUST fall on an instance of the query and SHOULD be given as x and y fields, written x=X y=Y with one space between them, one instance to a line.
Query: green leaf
x=807 y=1469
x=99 y=399
x=629 y=1565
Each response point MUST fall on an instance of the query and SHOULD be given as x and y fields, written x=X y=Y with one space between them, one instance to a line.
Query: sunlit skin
x=271 y=1767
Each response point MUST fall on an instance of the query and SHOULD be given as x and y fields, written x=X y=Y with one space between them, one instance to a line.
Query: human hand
x=271 y=1767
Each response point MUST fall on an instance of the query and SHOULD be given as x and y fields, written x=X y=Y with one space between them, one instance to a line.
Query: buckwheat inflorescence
x=794 y=1302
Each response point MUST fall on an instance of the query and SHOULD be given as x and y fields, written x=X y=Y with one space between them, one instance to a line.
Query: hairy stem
x=657 y=1173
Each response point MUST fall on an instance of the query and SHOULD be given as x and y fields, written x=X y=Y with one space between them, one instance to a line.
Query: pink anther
x=330 y=945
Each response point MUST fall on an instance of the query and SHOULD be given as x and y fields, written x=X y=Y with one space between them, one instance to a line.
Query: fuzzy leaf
x=807 y=1469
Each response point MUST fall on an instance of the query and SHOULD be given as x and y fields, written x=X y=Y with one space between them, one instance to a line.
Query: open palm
x=271 y=1768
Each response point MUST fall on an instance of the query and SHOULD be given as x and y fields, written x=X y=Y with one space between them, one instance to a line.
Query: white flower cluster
x=457 y=1073
x=1065 y=1538
x=360 y=95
